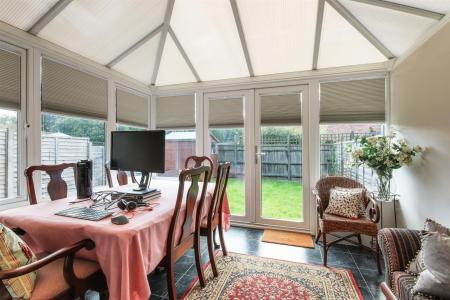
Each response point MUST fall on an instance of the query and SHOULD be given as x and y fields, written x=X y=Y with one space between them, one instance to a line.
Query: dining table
x=126 y=253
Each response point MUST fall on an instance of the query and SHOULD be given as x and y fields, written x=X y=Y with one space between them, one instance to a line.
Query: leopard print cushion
x=344 y=203
x=362 y=207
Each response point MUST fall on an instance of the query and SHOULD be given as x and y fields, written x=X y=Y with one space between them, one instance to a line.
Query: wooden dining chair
x=184 y=234
x=214 y=218
x=56 y=187
x=122 y=176
x=60 y=275
x=197 y=161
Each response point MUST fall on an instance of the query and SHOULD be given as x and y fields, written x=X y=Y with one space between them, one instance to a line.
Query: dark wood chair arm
x=64 y=252
x=374 y=211
x=318 y=203
x=387 y=291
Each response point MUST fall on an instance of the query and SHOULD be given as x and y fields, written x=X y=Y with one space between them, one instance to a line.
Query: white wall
x=420 y=110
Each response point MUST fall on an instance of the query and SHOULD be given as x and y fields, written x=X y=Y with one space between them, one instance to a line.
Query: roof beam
x=361 y=28
x=318 y=34
x=404 y=8
x=162 y=39
x=49 y=16
x=240 y=29
x=184 y=54
x=136 y=45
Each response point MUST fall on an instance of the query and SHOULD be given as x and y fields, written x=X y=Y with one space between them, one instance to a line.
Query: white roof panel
x=103 y=29
x=279 y=34
x=342 y=45
x=24 y=14
x=208 y=33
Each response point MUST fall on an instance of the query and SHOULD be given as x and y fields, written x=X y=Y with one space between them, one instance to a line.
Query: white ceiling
x=166 y=42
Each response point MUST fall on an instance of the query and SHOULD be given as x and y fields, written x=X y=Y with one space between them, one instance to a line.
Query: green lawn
x=282 y=199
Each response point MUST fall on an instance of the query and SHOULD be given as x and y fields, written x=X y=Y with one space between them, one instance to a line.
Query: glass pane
x=342 y=45
x=180 y=144
x=140 y=63
x=227 y=145
x=9 y=158
x=102 y=29
x=173 y=68
x=70 y=139
x=281 y=159
x=279 y=34
x=125 y=127
x=25 y=13
x=398 y=31
x=335 y=159
x=208 y=33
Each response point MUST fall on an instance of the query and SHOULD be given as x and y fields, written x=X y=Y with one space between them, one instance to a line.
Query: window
x=131 y=110
x=349 y=109
x=74 y=105
x=10 y=118
x=176 y=114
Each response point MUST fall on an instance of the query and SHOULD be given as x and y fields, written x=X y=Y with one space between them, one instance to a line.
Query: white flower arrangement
x=383 y=153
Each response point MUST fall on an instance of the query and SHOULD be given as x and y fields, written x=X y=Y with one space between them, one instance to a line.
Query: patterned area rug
x=252 y=277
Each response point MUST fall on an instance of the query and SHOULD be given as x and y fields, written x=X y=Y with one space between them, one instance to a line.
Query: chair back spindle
x=198 y=161
x=223 y=172
x=122 y=176
x=193 y=209
x=57 y=186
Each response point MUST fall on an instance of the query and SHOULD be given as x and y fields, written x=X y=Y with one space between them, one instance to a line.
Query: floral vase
x=384 y=186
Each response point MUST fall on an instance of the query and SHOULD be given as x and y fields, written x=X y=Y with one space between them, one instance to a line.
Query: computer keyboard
x=84 y=213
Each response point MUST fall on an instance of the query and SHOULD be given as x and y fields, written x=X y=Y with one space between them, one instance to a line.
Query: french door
x=264 y=134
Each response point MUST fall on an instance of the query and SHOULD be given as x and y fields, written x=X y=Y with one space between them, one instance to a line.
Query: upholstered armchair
x=399 y=246
x=329 y=224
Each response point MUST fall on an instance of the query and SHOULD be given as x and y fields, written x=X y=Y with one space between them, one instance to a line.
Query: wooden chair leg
x=325 y=249
x=222 y=240
x=171 y=289
x=198 y=261
x=359 y=240
x=212 y=259
x=318 y=234
x=378 y=256
x=216 y=246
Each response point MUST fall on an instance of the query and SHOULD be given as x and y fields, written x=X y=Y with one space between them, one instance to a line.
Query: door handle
x=258 y=154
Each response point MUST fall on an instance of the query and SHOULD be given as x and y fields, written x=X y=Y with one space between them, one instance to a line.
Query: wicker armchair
x=399 y=246
x=328 y=224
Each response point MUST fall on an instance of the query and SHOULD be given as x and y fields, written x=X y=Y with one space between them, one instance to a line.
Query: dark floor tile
x=359 y=278
x=155 y=297
x=158 y=283
x=373 y=279
x=183 y=284
x=367 y=295
x=184 y=263
x=367 y=261
x=340 y=259
x=358 y=250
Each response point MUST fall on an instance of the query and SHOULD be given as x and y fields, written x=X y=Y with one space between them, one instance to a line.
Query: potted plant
x=383 y=154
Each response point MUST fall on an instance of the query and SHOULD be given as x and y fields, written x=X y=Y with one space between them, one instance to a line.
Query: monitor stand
x=143 y=186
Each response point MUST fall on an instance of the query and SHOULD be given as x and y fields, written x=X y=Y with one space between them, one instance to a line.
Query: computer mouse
x=119 y=220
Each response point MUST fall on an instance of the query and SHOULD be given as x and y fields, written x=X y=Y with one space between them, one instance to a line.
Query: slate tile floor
x=244 y=240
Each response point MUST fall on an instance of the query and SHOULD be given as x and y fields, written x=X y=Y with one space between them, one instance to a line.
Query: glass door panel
x=227 y=143
x=280 y=157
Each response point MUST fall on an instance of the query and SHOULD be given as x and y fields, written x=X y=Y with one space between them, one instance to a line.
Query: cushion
x=362 y=191
x=14 y=253
x=435 y=280
x=361 y=225
x=416 y=265
x=344 y=203
x=50 y=279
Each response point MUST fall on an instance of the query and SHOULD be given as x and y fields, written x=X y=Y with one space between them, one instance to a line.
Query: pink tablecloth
x=126 y=253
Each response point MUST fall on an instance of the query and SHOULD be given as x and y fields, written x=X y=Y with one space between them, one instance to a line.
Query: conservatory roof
x=164 y=42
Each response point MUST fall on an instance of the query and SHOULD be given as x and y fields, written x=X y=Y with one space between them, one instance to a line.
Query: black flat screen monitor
x=140 y=151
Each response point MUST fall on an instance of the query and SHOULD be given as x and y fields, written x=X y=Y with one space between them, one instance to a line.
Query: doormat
x=288 y=238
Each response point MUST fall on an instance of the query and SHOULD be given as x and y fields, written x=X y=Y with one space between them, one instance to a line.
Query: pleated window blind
x=69 y=91
x=9 y=80
x=226 y=112
x=281 y=109
x=353 y=101
x=132 y=109
x=175 y=112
